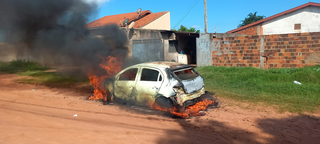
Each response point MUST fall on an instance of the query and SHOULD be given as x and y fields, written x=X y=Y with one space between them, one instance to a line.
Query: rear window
x=186 y=74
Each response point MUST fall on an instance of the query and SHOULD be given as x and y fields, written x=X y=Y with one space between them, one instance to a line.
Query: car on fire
x=168 y=84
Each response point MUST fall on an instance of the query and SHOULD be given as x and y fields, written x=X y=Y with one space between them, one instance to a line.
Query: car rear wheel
x=208 y=96
x=164 y=102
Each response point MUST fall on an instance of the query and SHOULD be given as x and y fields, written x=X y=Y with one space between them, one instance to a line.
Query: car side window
x=149 y=75
x=128 y=75
x=160 y=77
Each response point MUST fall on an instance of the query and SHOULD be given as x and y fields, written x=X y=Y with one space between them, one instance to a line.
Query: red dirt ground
x=45 y=115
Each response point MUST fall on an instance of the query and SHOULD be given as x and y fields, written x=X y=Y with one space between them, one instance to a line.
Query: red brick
x=305 y=34
x=309 y=38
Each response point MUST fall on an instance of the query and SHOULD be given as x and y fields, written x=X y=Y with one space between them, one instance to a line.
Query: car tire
x=208 y=96
x=109 y=100
x=164 y=102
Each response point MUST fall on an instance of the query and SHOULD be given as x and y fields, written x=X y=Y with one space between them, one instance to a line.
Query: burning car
x=168 y=84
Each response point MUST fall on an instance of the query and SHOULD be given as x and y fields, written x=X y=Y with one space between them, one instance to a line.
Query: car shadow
x=131 y=106
x=295 y=129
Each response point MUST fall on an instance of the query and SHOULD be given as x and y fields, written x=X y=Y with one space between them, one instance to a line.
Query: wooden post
x=205 y=16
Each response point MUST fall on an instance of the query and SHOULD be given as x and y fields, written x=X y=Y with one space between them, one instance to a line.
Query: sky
x=222 y=15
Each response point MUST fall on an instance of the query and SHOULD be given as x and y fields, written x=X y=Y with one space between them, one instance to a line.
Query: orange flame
x=112 y=65
x=99 y=91
x=190 y=111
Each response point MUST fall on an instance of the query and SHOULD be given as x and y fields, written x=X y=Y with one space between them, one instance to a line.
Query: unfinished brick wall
x=254 y=30
x=269 y=51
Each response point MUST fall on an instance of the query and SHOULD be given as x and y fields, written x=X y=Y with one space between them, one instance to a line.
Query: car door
x=148 y=84
x=125 y=83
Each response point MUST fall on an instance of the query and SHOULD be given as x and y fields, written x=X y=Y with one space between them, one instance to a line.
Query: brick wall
x=269 y=51
x=254 y=30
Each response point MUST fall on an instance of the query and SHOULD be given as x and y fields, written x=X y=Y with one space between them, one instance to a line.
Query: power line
x=187 y=13
x=191 y=6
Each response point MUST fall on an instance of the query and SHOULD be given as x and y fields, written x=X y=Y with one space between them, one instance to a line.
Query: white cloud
x=195 y=26
x=99 y=2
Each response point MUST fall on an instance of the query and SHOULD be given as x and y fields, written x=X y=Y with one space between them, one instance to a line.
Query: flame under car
x=168 y=84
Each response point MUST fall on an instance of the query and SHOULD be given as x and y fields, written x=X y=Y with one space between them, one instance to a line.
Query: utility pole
x=205 y=17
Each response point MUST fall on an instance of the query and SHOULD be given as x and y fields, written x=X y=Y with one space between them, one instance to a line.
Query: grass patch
x=17 y=66
x=37 y=74
x=51 y=79
x=272 y=87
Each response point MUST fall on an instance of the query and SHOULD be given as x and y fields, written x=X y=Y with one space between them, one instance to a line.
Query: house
x=143 y=20
x=150 y=37
x=301 y=19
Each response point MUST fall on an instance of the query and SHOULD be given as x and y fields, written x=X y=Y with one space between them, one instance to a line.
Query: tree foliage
x=185 y=29
x=251 y=18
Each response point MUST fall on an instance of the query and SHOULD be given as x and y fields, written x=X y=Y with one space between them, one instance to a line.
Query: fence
x=266 y=51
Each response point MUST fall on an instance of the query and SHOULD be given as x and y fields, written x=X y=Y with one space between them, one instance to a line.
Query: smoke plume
x=55 y=31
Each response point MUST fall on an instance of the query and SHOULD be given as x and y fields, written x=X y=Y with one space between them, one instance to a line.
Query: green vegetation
x=274 y=87
x=35 y=73
x=21 y=66
x=51 y=79
x=185 y=29
x=251 y=18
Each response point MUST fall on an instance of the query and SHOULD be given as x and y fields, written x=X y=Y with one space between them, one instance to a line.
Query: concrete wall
x=205 y=43
x=140 y=34
x=9 y=52
x=284 y=50
x=170 y=54
x=2 y=36
x=162 y=23
x=308 y=17
x=148 y=50
x=222 y=35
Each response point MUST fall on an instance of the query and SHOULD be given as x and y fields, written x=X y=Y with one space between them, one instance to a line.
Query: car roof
x=163 y=64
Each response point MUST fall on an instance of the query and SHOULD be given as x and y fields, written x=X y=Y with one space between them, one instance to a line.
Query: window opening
x=129 y=75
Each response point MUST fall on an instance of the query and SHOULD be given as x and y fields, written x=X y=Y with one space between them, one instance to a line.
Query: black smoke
x=56 y=31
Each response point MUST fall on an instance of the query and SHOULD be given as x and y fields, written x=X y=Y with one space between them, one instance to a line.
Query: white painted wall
x=162 y=23
x=309 y=17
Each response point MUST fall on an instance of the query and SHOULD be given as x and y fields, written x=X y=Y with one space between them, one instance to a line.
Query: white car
x=166 y=83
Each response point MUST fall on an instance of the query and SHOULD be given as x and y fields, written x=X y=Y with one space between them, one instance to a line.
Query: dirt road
x=38 y=114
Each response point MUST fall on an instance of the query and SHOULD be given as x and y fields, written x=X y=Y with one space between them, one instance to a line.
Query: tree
x=251 y=18
x=185 y=29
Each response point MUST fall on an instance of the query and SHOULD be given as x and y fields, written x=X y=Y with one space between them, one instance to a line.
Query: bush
x=21 y=66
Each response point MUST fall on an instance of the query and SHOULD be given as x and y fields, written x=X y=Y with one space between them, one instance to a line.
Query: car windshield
x=186 y=74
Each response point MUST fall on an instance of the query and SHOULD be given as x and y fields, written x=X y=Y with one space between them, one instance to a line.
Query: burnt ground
x=46 y=115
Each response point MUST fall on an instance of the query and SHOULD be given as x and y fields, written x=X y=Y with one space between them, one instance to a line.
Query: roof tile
x=148 y=19
x=145 y=18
